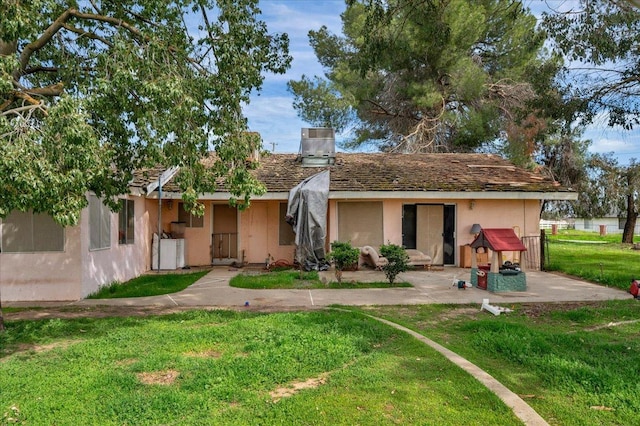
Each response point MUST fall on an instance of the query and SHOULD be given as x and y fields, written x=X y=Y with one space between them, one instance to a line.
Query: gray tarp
x=307 y=213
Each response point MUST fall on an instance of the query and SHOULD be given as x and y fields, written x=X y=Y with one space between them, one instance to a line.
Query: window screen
x=190 y=220
x=24 y=232
x=360 y=223
x=99 y=224
x=287 y=236
x=126 y=222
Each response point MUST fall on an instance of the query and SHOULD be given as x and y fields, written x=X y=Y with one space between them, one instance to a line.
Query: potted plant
x=344 y=257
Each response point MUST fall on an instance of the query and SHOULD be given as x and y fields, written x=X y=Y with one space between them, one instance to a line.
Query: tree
x=343 y=256
x=599 y=38
x=422 y=75
x=90 y=91
x=565 y=157
x=602 y=184
x=619 y=187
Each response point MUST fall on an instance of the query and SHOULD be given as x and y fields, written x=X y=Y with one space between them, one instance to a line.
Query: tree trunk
x=1 y=320
x=630 y=224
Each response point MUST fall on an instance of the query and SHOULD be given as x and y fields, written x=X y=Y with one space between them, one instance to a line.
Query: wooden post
x=495 y=261
x=474 y=258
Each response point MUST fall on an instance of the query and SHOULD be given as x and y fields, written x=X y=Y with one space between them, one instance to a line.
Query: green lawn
x=232 y=368
x=291 y=279
x=575 y=364
x=148 y=285
x=608 y=262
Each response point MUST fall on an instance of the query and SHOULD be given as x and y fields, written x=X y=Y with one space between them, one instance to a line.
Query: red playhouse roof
x=499 y=239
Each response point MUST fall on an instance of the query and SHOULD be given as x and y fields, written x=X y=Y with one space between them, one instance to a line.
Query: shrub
x=343 y=256
x=398 y=260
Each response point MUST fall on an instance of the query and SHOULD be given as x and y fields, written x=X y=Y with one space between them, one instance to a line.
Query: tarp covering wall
x=307 y=213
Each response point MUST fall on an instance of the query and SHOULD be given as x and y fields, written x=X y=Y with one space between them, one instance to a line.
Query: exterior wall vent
x=317 y=146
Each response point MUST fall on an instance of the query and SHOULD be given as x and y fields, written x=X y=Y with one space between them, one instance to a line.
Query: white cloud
x=623 y=144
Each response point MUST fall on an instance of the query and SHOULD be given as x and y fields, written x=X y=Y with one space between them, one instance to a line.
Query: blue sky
x=271 y=112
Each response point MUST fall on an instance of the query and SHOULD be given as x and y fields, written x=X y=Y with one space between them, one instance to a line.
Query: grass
x=223 y=367
x=572 y=364
x=610 y=263
x=289 y=279
x=148 y=285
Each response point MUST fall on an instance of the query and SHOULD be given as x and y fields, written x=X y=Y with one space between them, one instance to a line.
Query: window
x=25 y=232
x=361 y=223
x=287 y=236
x=99 y=224
x=126 y=222
x=190 y=220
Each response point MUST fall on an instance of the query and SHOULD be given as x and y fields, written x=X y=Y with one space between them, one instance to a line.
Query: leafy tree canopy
x=428 y=75
x=91 y=90
x=600 y=40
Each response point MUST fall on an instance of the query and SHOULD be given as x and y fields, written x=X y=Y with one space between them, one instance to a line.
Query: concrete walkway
x=430 y=287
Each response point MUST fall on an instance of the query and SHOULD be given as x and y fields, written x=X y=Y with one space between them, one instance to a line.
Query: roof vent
x=318 y=146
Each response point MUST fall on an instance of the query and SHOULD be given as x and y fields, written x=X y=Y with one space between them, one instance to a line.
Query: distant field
x=588 y=255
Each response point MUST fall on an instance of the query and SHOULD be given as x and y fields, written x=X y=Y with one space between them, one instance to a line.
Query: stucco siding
x=51 y=276
x=120 y=262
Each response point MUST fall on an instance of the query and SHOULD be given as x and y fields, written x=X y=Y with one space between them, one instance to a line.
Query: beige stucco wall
x=489 y=213
x=53 y=276
x=258 y=226
x=120 y=262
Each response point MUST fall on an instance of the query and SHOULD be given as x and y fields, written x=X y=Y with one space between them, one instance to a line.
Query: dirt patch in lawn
x=295 y=387
x=535 y=310
x=166 y=377
x=210 y=353
x=63 y=344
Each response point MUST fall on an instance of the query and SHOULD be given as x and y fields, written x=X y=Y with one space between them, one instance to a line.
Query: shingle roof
x=408 y=172
x=396 y=172
x=143 y=177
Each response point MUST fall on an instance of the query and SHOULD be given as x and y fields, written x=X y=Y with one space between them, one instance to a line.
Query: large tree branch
x=38 y=44
x=20 y=110
x=87 y=34
x=60 y=23
x=616 y=87
x=380 y=110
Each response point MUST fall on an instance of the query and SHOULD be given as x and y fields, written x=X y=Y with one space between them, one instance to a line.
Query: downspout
x=159 y=219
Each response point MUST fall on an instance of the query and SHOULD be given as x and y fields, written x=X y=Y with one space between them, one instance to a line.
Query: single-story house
x=427 y=202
